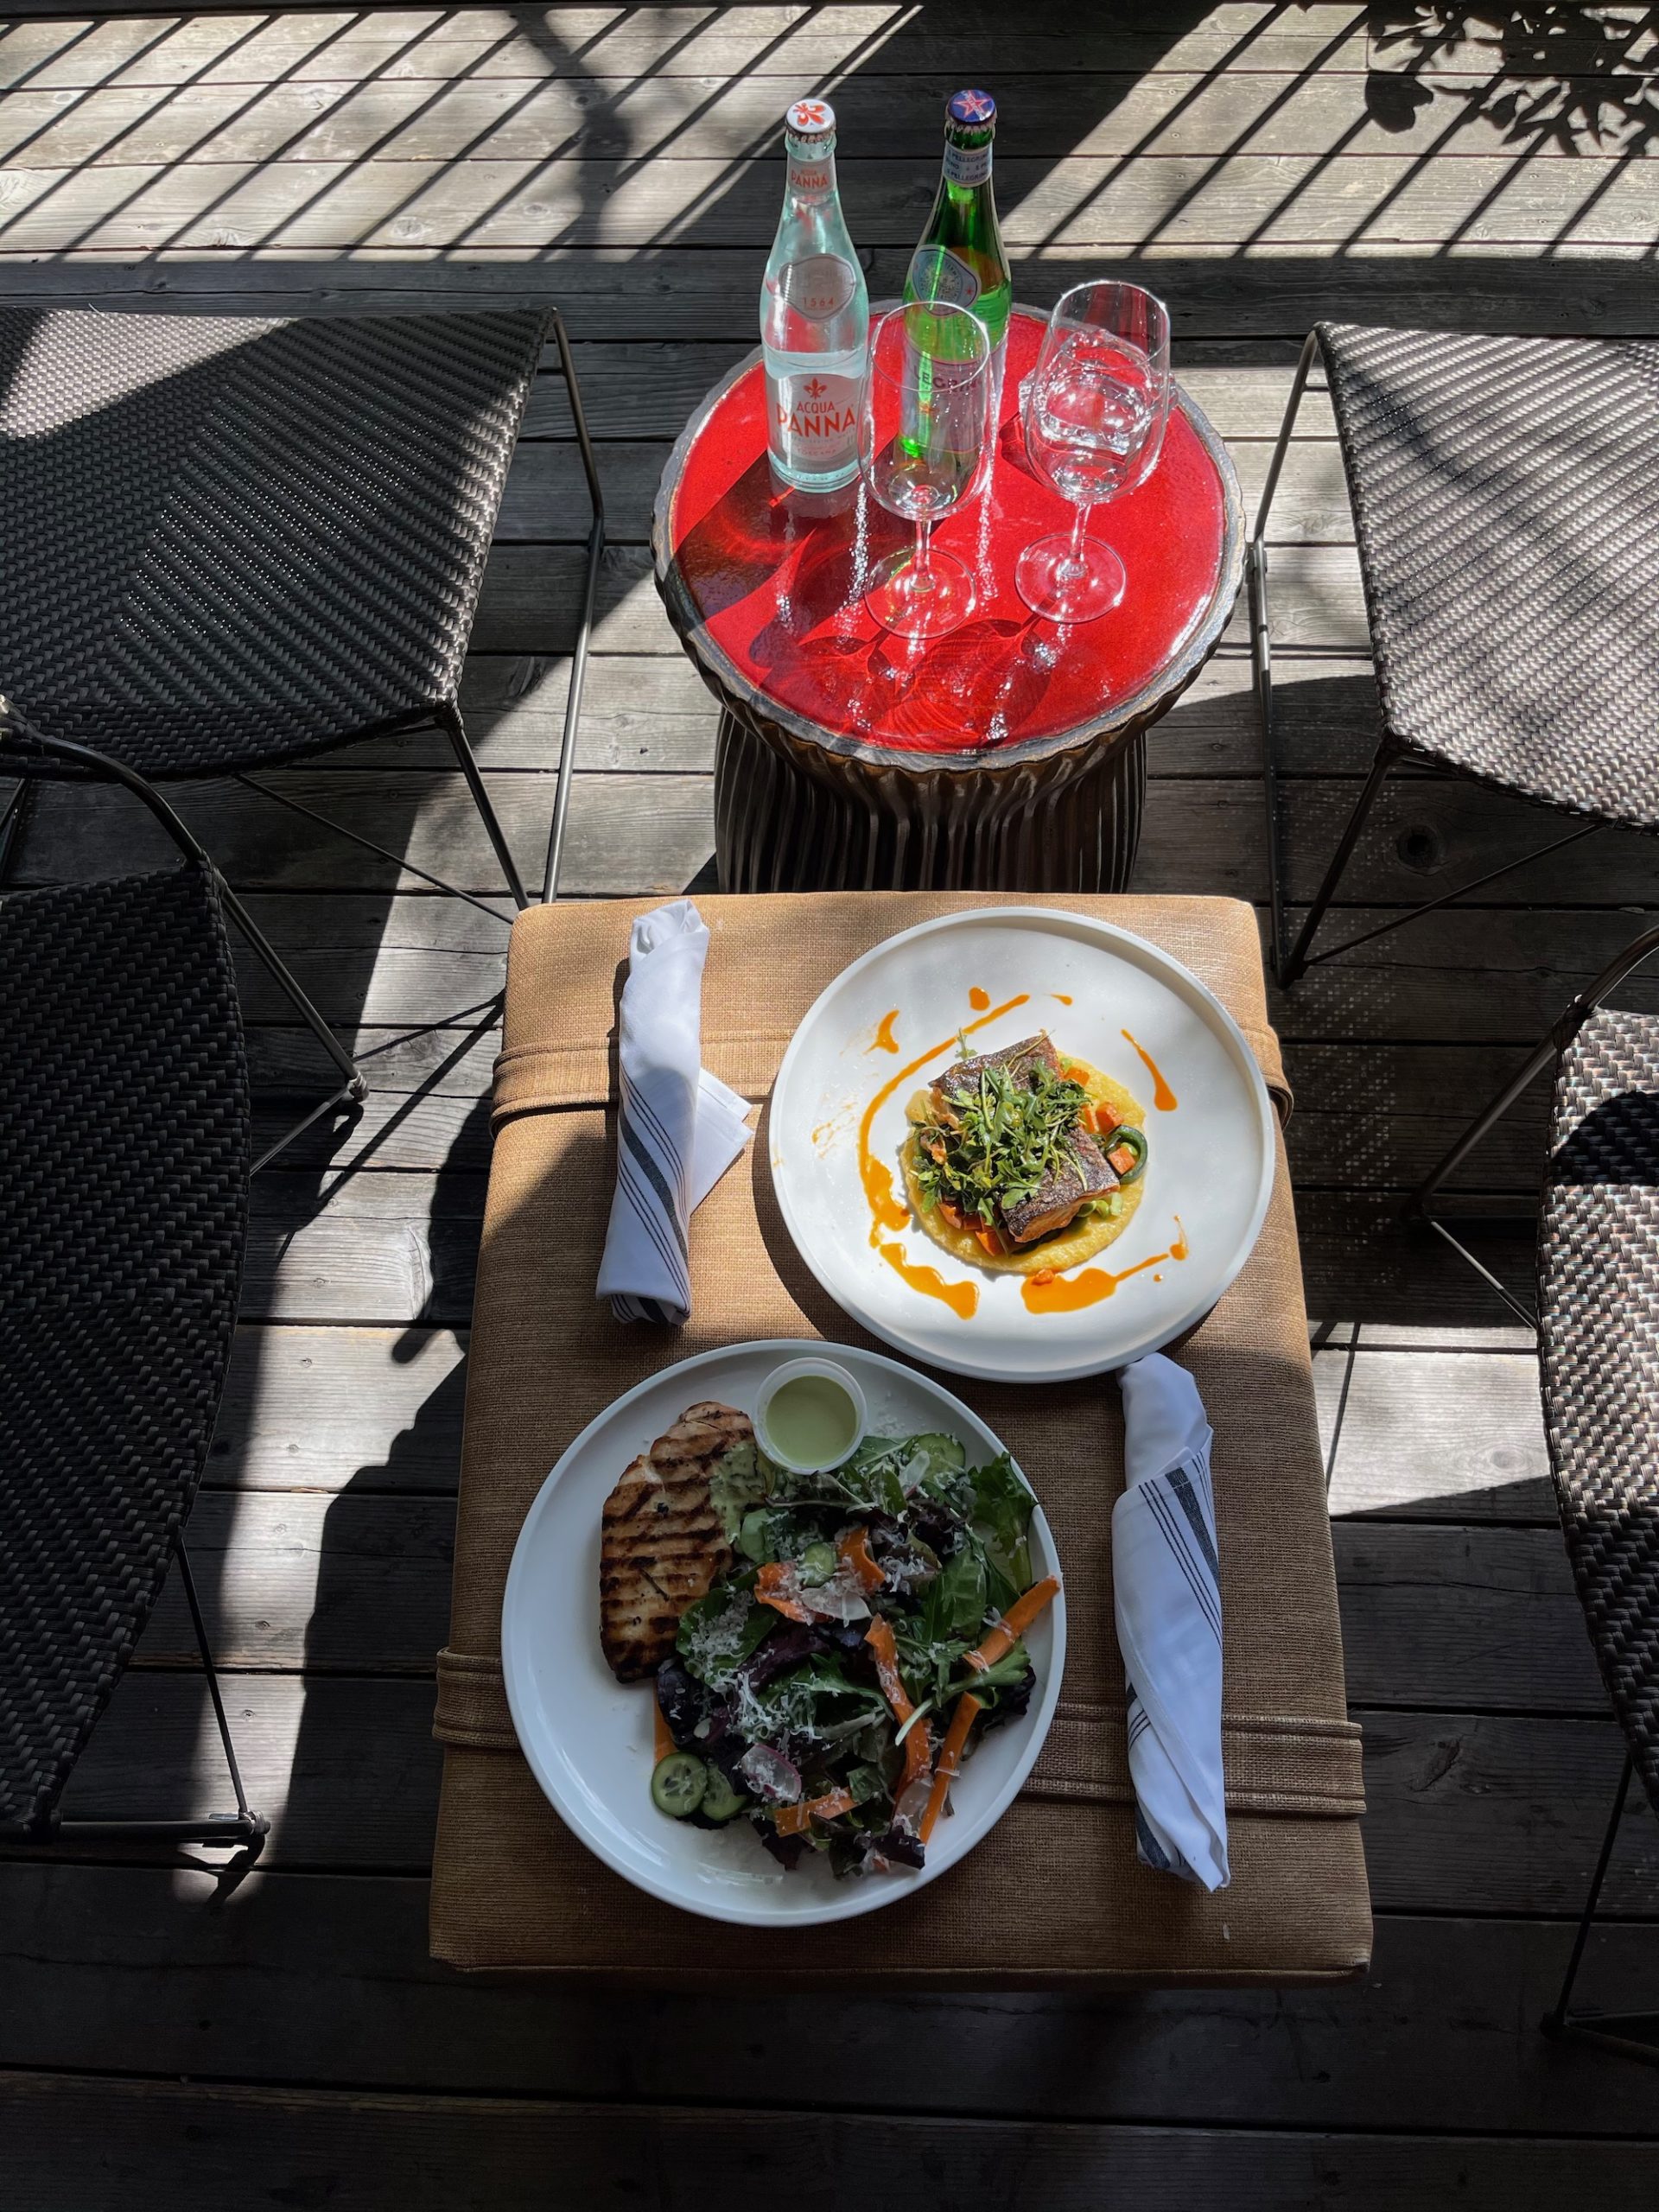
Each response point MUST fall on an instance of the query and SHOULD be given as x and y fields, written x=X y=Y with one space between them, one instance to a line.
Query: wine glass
x=924 y=440
x=1096 y=407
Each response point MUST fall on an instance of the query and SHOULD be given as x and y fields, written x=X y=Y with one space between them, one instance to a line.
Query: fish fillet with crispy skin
x=661 y=1544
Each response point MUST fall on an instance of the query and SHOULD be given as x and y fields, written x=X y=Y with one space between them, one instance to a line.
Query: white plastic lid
x=811 y=119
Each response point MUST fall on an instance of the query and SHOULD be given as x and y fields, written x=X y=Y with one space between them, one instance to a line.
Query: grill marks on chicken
x=661 y=1544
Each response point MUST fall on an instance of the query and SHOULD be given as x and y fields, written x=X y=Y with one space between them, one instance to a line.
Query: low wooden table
x=1009 y=753
x=1054 y=1895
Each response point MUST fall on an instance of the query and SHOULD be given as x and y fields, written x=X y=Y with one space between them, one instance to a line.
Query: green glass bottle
x=960 y=257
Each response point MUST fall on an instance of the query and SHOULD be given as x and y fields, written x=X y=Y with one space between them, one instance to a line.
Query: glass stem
x=1072 y=567
x=922 y=574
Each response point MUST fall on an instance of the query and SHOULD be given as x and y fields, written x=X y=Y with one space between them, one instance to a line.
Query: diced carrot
x=793 y=1820
x=663 y=1742
x=952 y=1214
x=879 y=1637
x=855 y=1553
x=969 y=1709
x=1013 y=1624
x=1120 y=1158
x=1042 y=1275
x=989 y=1239
x=775 y=1585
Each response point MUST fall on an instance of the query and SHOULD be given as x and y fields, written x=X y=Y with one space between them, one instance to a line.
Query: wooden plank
x=1437 y=1436
x=546 y=497
x=661 y=117
x=1259 y=201
x=113 y=1968
x=374 y=959
x=1459 y=1616
x=704 y=293
x=367 y=1248
x=338 y=1408
x=148 y=2146
x=648 y=391
x=1361 y=1263
x=1466 y=1812
x=579 y=43
x=1425 y=836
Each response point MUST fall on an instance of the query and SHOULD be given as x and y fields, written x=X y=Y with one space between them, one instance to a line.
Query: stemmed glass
x=924 y=440
x=1096 y=407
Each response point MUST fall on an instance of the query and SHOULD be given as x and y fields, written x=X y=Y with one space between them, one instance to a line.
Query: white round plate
x=1208 y=1176
x=588 y=1738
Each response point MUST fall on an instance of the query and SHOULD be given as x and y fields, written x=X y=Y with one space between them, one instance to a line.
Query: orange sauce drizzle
x=1070 y=1294
x=877 y=1177
x=1162 y=1097
x=1064 y=997
x=962 y=1298
x=884 y=1041
x=978 y=999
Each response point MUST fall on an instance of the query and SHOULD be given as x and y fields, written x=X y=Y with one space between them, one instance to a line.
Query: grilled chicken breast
x=661 y=1547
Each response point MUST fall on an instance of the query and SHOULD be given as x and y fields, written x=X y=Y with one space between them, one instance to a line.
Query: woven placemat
x=1054 y=1895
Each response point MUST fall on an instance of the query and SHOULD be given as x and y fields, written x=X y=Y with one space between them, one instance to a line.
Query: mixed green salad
x=827 y=1688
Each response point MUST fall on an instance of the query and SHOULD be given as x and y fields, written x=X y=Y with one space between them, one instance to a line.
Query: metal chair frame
x=353 y=1088
x=244 y=1826
x=1635 y=2035
x=1292 y=960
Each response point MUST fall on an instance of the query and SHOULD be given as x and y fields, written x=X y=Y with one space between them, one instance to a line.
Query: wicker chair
x=1506 y=504
x=1598 y=1327
x=233 y=543
x=123 y=1193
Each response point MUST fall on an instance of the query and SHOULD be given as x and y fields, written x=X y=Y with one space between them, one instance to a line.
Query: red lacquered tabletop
x=767 y=588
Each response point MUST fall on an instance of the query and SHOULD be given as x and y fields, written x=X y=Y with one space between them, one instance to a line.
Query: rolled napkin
x=1166 y=1579
x=678 y=1127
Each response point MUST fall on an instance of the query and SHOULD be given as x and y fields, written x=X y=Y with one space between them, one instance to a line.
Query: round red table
x=1009 y=754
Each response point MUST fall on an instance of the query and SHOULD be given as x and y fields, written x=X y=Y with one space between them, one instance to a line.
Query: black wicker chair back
x=124 y=1174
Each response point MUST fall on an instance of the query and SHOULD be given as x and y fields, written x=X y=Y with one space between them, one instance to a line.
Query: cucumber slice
x=721 y=1802
x=817 y=1563
x=680 y=1785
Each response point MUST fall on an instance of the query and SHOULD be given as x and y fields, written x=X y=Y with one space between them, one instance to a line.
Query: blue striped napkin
x=678 y=1127
x=1166 y=1592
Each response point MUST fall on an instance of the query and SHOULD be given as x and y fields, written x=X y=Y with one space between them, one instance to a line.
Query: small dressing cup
x=820 y=1411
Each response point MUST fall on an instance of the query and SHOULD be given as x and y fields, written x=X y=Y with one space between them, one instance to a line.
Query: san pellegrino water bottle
x=961 y=258
x=815 y=314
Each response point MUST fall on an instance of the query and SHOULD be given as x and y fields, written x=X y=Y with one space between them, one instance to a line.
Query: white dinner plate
x=1211 y=1161
x=589 y=1739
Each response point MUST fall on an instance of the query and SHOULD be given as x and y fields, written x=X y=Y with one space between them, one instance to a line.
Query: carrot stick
x=775 y=1585
x=969 y=1709
x=1013 y=1624
x=856 y=1553
x=918 y=1756
x=879 y=1637
x=663 y=1742
x=792 y=1820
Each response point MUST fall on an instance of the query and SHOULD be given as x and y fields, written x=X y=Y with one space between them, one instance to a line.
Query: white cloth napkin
x=1167 y=1598
x=678 y=1128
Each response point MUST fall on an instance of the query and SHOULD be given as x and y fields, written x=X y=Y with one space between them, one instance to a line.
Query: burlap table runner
x=1054 y=1895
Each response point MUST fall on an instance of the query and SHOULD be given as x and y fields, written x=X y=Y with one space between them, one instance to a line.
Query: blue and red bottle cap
x=974 y=108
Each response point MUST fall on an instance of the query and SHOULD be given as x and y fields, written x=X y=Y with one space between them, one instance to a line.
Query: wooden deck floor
x=164 y=2042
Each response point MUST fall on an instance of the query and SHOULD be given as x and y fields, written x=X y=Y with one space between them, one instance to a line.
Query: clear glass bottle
x=960 y=257
x=815 y=313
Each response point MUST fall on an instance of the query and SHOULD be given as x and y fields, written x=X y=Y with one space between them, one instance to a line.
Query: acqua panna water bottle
x=815 y=314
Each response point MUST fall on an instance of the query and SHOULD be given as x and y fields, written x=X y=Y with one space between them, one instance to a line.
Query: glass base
x=1062 y=589
x=921 y=602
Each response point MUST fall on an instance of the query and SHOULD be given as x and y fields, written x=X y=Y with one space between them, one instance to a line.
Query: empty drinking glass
x=1094 y=410
x=923 y=438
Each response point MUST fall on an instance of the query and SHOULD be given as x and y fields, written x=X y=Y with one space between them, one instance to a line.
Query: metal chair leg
x=584 y=628
x=1295 y=962
x=1634 y=2034
x=448 y=718
x=244 y=1826
x=1261 y=652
